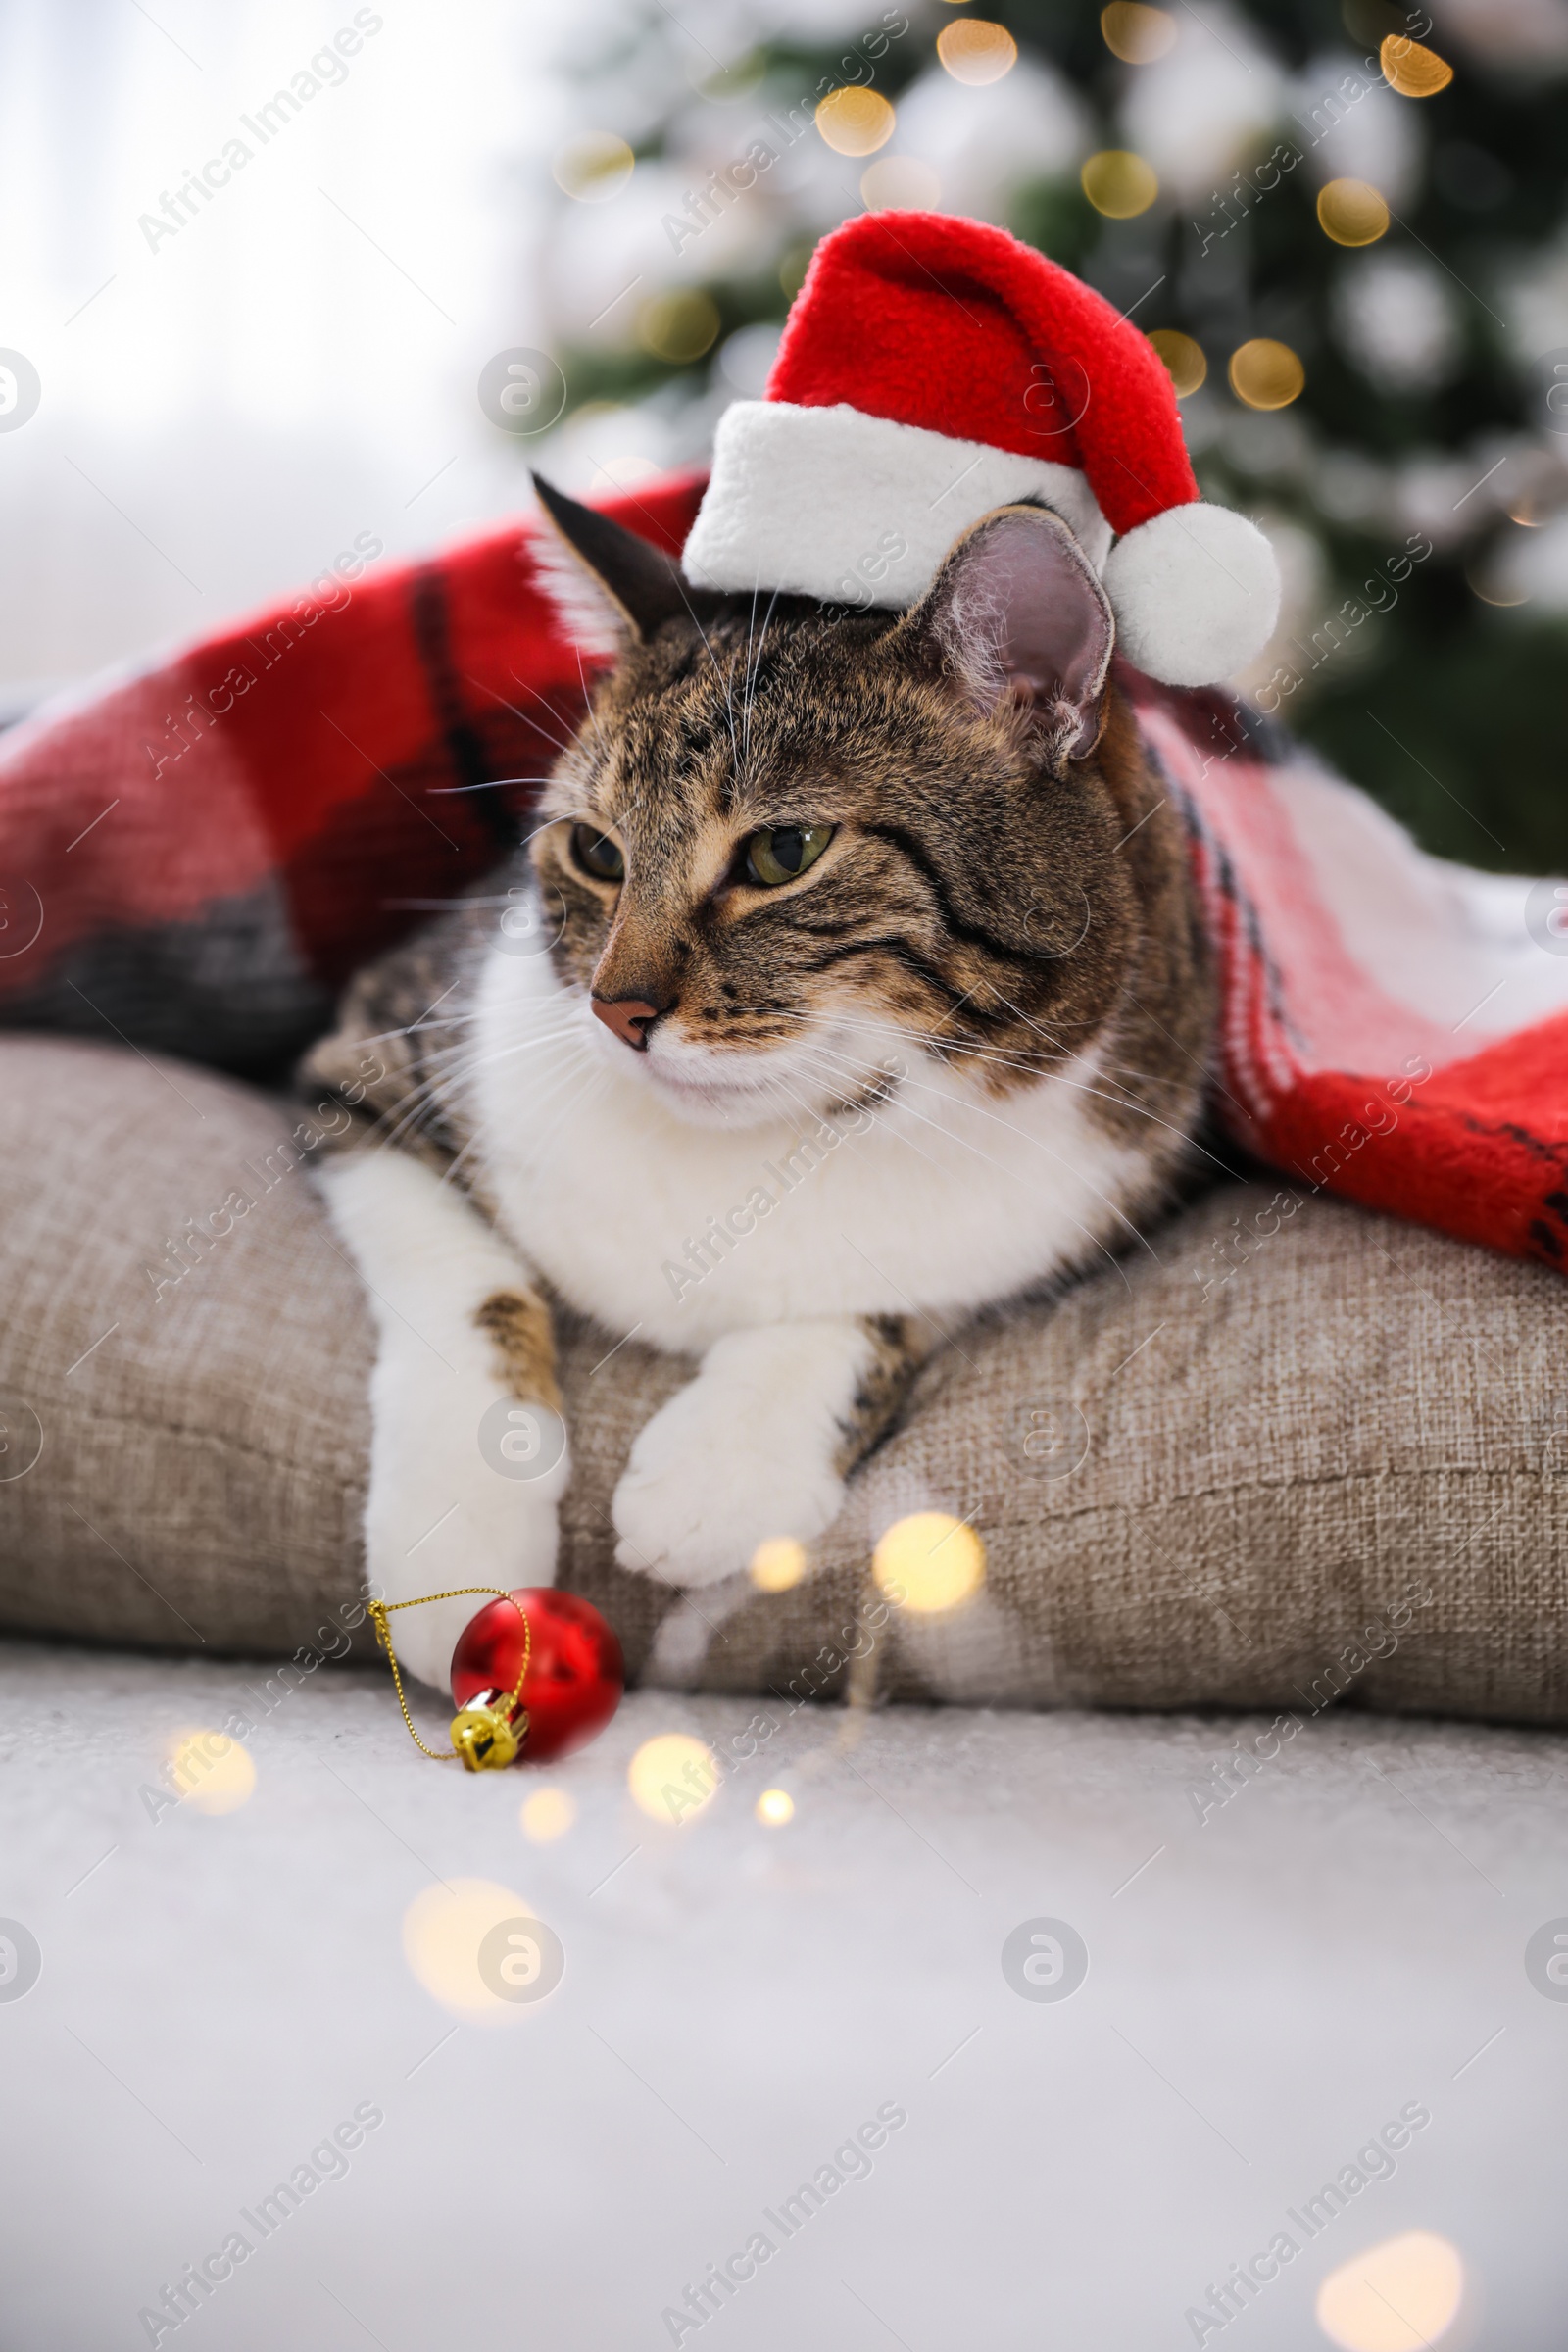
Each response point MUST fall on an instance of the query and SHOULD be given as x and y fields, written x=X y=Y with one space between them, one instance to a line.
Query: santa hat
x=934 y=369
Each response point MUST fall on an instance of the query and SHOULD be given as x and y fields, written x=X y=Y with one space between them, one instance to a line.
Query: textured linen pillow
x=1285 y=1453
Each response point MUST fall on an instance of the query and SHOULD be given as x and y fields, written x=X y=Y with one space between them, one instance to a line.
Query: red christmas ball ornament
x=571 y=1677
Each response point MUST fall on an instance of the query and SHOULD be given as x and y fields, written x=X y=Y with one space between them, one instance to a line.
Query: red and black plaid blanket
x=195 y=857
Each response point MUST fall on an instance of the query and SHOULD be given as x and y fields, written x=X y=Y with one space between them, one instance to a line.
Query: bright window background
x=221 y=413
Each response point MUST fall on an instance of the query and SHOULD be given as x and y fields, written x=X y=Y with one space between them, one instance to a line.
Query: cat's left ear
x=1017 y=616
x=609 y=586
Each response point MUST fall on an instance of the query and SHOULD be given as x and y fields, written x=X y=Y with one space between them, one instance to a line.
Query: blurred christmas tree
x=1344 y=227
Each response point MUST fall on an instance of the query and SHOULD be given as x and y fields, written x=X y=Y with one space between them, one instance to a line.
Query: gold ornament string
x=379 y=1611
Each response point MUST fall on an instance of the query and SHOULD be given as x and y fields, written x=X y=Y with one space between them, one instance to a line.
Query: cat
x=852 y=981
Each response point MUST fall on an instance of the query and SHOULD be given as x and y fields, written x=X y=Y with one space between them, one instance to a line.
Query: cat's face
x=794 y=851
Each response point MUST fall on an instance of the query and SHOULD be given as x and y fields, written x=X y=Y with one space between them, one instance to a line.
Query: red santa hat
x=934 y=369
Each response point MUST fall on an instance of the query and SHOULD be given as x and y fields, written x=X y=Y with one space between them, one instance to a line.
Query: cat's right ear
x=610 y=588
x=1018 y=619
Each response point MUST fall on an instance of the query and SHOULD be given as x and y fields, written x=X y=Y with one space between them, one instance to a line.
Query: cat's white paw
x=465 y=1484
x=465 y=1481
x=711 y=1478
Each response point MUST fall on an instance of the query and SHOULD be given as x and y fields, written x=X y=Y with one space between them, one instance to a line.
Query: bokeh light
x=930 y=1560
x=1184 y=359
x=774 y=1807
x=854 y=121
x=975 y=51
x=1531 y=507
x=1119 y=183
x=1266 y=374
x=673 y=1777
x=902 y=184
x=1137 y=35
x=443 y=1929
x=212 y=1773
x=678 y=328
x=1486 y=578
x=594 y=168
x=778 y=1564
x=1396 y=2297
x=1411 y=69
x=548 y=1815
x=1351 y=212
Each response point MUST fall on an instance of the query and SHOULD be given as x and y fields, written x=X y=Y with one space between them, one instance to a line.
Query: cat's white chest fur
x=941 y=1200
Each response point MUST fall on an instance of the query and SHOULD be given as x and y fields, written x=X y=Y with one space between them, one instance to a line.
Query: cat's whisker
x=437 y=1090
x=883 y=1126
x=552 y=1098
x=1056 y=1077
x=591 y=715
x=1075 y=1085
x=753 y=664
x=534 y=1042
x=734 y=739
x=547 y=1094
x=1035 y=1071
x=1125 y=1102
x=761 y=642
x=941 y=1049
x=992 y=1053
x=1037 y=1142
x=452 y=1172
x=415 y=1114
x=746 y=676
x=835 y=1075
x=413 y=1028
x=868 y=1077
x=965 y=1144
x=819 y=1118
x=439 y=1063
x=442 y=905
x=595 y=1080
x=449 y=792
x=1207 y=1066
x=563 y=742
x=724 y=680
x=807 y=1111
x=528 y=838
x=1039 y=1071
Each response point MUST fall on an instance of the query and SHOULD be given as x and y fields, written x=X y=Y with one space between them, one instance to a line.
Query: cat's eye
x=781 y=853
x=598 y=854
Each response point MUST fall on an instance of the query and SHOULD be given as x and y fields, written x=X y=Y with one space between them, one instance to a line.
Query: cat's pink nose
x=629 y=1017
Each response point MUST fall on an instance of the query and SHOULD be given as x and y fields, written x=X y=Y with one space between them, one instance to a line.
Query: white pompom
x=1196 y=592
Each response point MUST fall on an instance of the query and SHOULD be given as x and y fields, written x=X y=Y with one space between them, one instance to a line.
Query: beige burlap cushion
x=1268 y=1461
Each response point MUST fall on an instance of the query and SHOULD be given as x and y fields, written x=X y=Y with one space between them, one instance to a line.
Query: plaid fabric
x=195 y=857
x=1394 y=1028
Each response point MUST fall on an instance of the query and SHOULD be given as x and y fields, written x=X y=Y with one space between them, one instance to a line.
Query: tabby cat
x=852 y=981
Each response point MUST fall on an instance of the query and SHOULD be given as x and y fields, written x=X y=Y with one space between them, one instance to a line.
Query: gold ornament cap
x=489 y=1732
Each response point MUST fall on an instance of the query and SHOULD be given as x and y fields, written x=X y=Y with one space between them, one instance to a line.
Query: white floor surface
x=1265 y=1991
